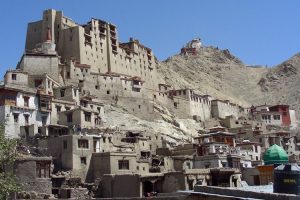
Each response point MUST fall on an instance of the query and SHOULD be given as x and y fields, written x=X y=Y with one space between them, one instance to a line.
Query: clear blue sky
x=258 y=32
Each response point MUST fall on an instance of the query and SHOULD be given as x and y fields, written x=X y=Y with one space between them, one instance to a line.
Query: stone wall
x=171 y=197
x=39 y=186
x=235 y=192
x=121 y=186
x=34 y=64
x=221 y=109
x=173 y=182
x=25 y=171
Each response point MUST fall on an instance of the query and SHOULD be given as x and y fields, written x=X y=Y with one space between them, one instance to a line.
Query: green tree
x=7 y=157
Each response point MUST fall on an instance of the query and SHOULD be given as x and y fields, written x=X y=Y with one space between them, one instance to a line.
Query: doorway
x=147 y=188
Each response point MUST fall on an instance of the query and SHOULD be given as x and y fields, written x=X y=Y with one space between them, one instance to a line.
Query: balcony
x=113 y=41
x=15 y=107
x=155 y=169
x=86 y=35
x=129 y=56
x=45 y=105
x=145 y=156
x=114 y=44
x=112 y=29
x=102 y=27
x=113 y=35
x=87 y=39
x=114 y=49
x=88 y=43
x=102 y=34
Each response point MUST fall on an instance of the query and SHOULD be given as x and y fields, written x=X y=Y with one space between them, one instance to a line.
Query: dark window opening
x=42 y=169
x=16 y=117
x=62 y=92
x=83 y=160
x=38 y=83
x=175 y=104
x=83 y=144
x=27 y=132
x=45 y=104
x=14 y=77
x=84 y=103
x=87 y=116
x=58 y=108
x=26 y=101
x=26 y=116
x=65 y=144
x=123 y=164
x=145 y=155
x=69 y=117
x=44 y=120
x=276 y=117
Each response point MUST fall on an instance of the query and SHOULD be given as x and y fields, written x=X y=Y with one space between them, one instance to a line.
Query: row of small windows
x=268 y=117
x=129 y=60
x=86 y=53
x=112 y=31
x=174 y=93
x=104 y=140
x=138 y=168
x=84 y=143
x=196 y=99
x=193 y=98
x=145 y=67
x=58 y=108
x=26 y=118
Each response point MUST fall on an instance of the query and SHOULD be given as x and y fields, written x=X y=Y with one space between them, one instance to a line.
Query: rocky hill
x=281 y=84
x=222 y=75
x=215 y=72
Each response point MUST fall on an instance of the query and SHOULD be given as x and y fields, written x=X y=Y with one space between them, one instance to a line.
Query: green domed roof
x=275 y=155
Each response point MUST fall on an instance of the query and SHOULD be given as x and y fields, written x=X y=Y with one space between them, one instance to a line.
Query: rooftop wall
x=236 y=192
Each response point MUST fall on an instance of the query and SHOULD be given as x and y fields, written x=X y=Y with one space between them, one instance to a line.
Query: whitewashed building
x=19 y=105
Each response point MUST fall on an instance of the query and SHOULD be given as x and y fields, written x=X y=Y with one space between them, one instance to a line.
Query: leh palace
x=95 y=119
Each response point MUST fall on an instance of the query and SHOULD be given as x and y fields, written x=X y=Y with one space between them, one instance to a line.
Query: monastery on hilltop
x=55 y=103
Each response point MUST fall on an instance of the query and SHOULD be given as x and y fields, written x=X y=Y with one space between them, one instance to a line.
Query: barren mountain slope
x=174 y=130
x=282 y=83
x=215 y=72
